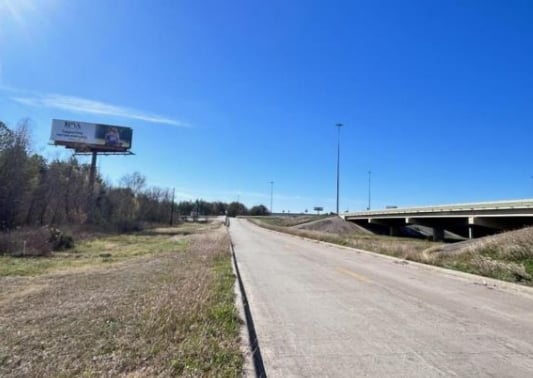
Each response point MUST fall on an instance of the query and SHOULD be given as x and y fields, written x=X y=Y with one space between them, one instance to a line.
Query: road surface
x=321 y=311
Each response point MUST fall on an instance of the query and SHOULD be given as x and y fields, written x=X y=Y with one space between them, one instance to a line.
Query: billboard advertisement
x=91 y=136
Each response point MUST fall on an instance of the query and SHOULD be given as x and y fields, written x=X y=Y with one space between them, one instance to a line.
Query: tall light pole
x=338 y=125
x=271 y=195
x=369 y=188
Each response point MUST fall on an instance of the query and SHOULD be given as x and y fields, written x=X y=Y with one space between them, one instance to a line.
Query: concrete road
x=321 y=310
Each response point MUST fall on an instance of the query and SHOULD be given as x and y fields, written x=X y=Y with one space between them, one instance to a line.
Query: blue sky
x=436 y=97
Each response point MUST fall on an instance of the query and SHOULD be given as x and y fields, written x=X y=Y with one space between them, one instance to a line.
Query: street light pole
x=271 y=195
x=338 y=125
x=369 y=188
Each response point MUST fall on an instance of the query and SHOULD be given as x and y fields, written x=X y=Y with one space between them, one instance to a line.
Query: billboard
x=91 y=136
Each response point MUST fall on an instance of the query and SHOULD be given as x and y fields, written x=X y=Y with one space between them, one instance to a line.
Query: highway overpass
x=468 y=220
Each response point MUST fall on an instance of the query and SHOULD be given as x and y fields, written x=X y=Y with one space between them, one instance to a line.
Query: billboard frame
x=72 y=135
x=77 y=131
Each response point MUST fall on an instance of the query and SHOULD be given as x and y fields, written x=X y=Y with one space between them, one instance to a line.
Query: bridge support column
x=438 y=234
x=470 y=232
x=394 y=231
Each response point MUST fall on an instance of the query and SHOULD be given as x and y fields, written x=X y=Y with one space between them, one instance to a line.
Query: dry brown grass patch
x=146 y=316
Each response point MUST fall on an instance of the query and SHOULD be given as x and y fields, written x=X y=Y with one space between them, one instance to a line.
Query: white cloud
x=82 y=105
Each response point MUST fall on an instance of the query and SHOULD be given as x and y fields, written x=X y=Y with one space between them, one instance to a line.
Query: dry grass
x=288 y=220
x=334 y=225
x=507 y=256
x=165 y=309
x=393 y=246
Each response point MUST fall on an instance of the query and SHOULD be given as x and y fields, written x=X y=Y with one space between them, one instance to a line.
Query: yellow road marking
x=357 y=276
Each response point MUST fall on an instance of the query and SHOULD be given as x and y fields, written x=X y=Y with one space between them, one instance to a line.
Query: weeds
x=507 y=256
x=164 y=306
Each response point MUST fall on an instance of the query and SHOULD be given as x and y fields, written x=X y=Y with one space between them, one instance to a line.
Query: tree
x=120 y=209
x=236 y=209
x=185 y=207
x=135 y=181
x=259 y=210
x=154 y=205
x=16 y=174
x=203 y=207
x=218 y=208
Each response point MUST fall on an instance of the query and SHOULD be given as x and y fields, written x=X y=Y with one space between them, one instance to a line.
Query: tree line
x=38 y=192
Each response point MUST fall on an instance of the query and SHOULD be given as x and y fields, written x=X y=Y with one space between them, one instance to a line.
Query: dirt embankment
x=332 y=225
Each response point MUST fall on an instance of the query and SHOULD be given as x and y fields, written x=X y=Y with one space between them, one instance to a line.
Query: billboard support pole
x=91 y=139
x=172 y=207
x=92 y=177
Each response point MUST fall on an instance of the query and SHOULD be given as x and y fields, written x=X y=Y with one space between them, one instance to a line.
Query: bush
x=128 y=226
x=6 y=243
x=259 y=210
x=26 y=242
x=59 y=240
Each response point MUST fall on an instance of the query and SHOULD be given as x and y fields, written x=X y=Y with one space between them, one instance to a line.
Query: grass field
x=159 y=303
x=507 y=256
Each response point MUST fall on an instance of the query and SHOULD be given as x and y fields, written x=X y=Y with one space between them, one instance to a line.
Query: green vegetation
x=159 y=303
x=203 y=349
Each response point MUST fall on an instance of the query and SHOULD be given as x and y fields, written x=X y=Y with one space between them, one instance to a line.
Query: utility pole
x=338 y=125
x=271 y=196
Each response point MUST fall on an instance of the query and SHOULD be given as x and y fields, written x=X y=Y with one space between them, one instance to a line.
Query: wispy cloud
x=233 y=194
x=82 y=105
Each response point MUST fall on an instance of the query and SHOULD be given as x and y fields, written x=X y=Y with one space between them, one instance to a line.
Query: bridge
x=467 y=220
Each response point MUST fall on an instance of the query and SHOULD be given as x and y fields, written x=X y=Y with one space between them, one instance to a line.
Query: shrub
x=60 y=241
x=26 y=242
x=6 y=243
x=128 y=226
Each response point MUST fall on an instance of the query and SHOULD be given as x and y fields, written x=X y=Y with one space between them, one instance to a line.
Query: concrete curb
x=253 y=361
x=248 y=368
x=469 y=277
